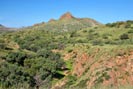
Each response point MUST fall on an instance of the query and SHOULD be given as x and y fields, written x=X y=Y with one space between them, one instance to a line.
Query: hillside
x=5 y=29
x=67 y=22
x=69 y=53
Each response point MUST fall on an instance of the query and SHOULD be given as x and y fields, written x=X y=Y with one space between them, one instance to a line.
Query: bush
x=106 y=35
x=34 y=71
x=2 y=46
x=80 y=41
x=73 y=34
x=16 y=57
x=12 y=75
x=130 y=31
x=71 y=80
x=84 y=31
x=124 y=36
x=70 y=50
x=97 y=42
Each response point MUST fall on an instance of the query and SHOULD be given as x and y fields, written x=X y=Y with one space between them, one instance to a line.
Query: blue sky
x=18 y=13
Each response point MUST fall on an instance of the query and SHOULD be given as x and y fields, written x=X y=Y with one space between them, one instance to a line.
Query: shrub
x=70 y=50
x=130 y=31
x=80 y=41
x=82 y=84
x=105 y=36
x=124 y=36
x=2 y=46
x=16 y=57
x=71 y=80
x=73 y=34
x=84 y=31
x=97 y=42
x=91 y=31
x=12 y=75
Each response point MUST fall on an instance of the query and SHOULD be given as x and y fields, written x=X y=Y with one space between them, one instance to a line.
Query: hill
x=67 y=22
x=6 y=29
x=44 y=56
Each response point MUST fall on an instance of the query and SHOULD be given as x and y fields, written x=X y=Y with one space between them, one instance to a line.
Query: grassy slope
x=87 y=40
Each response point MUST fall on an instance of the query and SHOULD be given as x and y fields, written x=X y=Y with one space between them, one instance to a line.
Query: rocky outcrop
x=66 y=16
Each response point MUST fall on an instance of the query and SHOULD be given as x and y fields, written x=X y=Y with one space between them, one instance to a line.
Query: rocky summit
x=67 y=15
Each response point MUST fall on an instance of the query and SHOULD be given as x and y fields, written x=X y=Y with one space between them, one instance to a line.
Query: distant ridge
x=3 y=28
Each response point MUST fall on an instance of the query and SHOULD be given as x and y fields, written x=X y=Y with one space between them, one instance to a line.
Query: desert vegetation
x=58 y=55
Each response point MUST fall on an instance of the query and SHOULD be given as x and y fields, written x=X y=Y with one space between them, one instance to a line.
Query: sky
x=21 y=13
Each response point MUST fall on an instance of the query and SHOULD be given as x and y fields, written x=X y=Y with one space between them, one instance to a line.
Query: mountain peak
x=67 y=15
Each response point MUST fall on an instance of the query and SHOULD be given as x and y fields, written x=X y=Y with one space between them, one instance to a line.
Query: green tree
x=16 y=57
